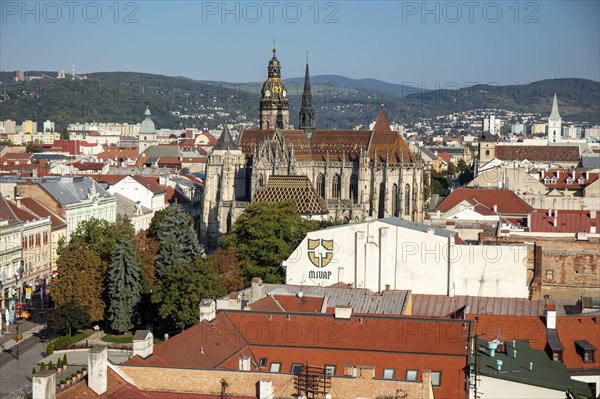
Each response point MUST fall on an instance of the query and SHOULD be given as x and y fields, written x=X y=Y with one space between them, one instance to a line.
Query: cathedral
x=343 y=175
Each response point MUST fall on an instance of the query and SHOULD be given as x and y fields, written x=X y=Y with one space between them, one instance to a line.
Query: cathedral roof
x=225 y=141
x=381 y=123
x=292 y=188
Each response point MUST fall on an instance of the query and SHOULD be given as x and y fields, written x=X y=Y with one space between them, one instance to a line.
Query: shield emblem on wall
x=320 y=252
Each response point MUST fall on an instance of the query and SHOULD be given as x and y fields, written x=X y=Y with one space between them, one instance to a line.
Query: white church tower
x=147 y=134
x=554 y=123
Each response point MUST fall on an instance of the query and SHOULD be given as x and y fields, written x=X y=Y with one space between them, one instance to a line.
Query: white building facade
x=391 y=253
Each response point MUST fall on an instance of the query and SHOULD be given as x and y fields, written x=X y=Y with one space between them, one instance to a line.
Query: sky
x=429 y=44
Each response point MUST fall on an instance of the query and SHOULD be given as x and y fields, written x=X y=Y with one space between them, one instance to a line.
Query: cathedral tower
x=147 y=134
x=274 y=107
x=307 y=114
x=554 y=123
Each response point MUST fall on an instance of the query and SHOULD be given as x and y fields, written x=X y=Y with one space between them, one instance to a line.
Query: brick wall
x=244 y=383
x=567 y=269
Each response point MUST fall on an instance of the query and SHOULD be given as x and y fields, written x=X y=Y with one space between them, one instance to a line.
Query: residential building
x=10 y=256
x=142 y=189
x=73 y=198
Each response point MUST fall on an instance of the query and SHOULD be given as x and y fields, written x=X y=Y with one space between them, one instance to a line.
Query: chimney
x=499 y=365
x=97 y=369
x=557 y=174
x=257 y=289
x=44 y=384
x=495 y=208
x=143 y=343
x=343 y=312
x=530 y=366
x=550 y=316
x=529 y=221
x=208 y=310
x=587 y=175
x=555 y=217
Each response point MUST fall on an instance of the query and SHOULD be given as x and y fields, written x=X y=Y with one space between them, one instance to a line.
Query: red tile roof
x=507 y=201
x=560 y=179
x=533 y=329
x=382 y=342
x=116 y=152
x=151 y=183
x=567 y=221
x=537 y=153
x=22 y=214
x=17 y=155
x=41 y=211
x=289 y=303
x=381 y=123
x=444 y=156
x=95 y=166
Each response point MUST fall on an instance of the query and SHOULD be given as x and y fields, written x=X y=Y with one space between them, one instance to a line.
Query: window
x=580 y=180
x=412 y=375
x=407 y=200
x=381 y=210
x=388 y=374
x=586 y=350
x=436 y=378
x=275 y=367
x=321 y=185
x=354 y=188
x=329 y=370
x=588 y=357
x=546 y=180
x=557 y=356
x=336 y=186
x=395 y=208
x=262 y=362
x=261 y=181
x=296 y=368
x=569 y=180
x=550 y=275
x=487 y=152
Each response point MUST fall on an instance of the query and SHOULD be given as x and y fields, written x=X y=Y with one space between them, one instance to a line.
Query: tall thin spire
x=554 y=115
x=307 y=114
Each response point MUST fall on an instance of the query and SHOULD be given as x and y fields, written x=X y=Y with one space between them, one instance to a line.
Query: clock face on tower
x=284 y=93
x=267 y=93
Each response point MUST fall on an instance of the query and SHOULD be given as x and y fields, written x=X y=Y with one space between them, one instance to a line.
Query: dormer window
x=585 y=350
x=553 y=180
x=569 y=180
x=546 y=180
x=580 y=180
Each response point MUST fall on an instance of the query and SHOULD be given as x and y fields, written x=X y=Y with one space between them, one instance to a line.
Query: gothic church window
x=335 y=186
x=354 y=188
x=381 y=211
x=321 y=185
x=261 y=181
x=395 y=209
x=407 y=200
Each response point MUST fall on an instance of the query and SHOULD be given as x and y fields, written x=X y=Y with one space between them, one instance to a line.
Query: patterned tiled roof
x=296 y=188
x=537 y=153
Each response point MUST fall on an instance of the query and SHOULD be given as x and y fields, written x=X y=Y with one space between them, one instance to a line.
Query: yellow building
x=539 y=128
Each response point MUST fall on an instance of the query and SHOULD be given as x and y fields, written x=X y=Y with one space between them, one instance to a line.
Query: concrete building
x=401 y=255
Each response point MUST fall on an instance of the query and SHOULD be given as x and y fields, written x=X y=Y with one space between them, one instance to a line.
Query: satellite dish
x=300 y=294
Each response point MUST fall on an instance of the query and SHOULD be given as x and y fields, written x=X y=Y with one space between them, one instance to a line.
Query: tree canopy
x=180 y=289
x=80 y=280
x=265 y=235
x=102 y=236
x=124 y=284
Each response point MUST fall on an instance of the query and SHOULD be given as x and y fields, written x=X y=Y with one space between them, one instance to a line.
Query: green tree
x=124 y=284
x=452 y=169
x=181 y=287
x=102 y=236
x=80 y=280
x=265 y=235
x=177 y=239
x=33 y=148
x=69 y=315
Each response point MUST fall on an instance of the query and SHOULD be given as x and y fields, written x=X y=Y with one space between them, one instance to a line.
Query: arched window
x=261 y=180
x=395 y=199
x=407 y=200
x=487 y=152
x=218 y=186
x=321 y=185
x=381 y=211
x=354 y=188
x=336 y=186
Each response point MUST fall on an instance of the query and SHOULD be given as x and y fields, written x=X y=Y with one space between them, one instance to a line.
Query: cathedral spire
x=307 y=114
x=225 y=141
x=554 y=115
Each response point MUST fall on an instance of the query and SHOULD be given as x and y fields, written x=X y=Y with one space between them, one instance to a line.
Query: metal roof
x=362 y=300
x=71 y=190
x=553 y=341
x=445 y=306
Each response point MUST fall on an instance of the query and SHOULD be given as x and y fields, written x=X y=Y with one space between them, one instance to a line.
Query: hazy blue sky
x=396 y=41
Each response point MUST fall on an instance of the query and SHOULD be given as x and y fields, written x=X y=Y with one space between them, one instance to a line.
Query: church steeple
x=274 y=107
x=554 y=115
x=554 y=123
x=307 y=114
